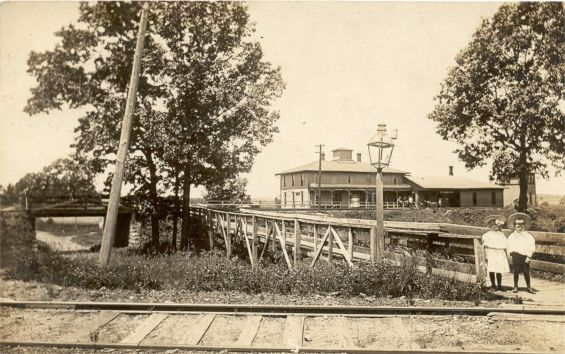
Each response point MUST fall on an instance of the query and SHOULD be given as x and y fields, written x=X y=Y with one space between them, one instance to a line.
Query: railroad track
x=245 y=328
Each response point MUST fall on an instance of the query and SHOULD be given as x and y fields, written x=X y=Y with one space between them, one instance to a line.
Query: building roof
x=342 y=149
x=450 y=182
x=340 y=166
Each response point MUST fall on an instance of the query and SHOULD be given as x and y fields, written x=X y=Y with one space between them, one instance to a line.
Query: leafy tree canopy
x=233 y=190
x=66 y=178
x=500 y=103
x=203 y=108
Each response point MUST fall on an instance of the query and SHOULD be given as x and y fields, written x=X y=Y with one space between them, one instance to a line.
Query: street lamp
x=380 y=148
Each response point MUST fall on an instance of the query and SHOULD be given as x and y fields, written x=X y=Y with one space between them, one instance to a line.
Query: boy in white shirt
x=521 y=247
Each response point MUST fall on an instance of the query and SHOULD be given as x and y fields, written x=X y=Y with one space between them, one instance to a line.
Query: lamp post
x=380 y=149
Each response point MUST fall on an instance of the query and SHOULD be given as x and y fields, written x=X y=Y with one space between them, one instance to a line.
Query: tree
x=233 y=189
x=220 y=96
x=90 y=67
x=64 y=178
x=203 y=103
x=501 y=101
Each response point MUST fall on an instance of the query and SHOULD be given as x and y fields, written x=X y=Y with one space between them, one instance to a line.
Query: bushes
x=17 y=235
x=212 y=272
x=80 y=271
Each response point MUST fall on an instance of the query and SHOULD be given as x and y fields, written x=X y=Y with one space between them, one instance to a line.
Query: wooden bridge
x=355 y=240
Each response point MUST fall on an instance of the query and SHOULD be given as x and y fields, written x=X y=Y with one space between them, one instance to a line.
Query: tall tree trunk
x=176 y=211
x=185 y=231
x=154 y=197
x=523 y=173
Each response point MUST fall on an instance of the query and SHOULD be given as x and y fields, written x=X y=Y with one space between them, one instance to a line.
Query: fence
x=356 y=240
x=306 y=205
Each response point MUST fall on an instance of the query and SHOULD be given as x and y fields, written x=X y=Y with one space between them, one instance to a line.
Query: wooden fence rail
x=323 y=237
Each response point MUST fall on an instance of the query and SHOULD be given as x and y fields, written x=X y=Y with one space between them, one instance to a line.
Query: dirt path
x=59 y=243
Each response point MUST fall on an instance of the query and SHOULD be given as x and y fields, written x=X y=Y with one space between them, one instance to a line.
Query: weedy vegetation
x=210 y=271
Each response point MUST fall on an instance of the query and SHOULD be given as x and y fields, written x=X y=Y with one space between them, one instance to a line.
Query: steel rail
x=311 y=310
x=235 y=348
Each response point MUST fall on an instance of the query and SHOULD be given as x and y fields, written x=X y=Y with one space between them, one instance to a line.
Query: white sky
x=347 y=66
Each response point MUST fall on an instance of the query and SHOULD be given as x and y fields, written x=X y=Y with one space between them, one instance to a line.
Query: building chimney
x=451 y=170
x=358 y=157
x=323 y=156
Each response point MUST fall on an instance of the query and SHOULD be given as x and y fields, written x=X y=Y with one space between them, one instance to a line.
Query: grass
x=212 y=272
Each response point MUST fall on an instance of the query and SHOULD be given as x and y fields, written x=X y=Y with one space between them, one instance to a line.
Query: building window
x=301 y=198
x=474 y=198
x=493 y=198
x=394 y=179
x=349 y=179
x=292 y=180
x=302 y=179
x=284 y=180
x=284 y=198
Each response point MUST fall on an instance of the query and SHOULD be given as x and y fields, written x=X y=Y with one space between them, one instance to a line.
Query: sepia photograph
x=282 y=176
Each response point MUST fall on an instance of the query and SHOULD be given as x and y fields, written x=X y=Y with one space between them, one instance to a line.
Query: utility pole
x=114 y=202
x=319 y=176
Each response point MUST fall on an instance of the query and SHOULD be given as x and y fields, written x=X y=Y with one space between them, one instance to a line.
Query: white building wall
x=298 y=198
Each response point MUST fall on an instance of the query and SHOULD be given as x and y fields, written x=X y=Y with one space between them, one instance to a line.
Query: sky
x=348 y=66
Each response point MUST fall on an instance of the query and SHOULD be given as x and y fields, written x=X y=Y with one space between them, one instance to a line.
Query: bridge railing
x=443 y=246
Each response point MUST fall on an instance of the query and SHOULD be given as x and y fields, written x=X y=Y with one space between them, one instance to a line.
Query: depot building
x=346 y=183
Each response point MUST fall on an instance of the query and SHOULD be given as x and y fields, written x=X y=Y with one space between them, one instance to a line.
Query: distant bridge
x=61 y=207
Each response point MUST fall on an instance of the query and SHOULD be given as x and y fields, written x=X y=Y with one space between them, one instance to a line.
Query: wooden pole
x=320 y=177
x=114 y=203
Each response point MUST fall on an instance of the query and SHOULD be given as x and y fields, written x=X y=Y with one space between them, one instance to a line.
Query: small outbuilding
x=455 y=191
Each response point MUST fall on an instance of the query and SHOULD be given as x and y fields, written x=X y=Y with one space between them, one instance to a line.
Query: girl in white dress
x=496 y=245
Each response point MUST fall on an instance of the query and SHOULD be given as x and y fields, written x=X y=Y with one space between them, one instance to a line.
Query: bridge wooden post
x=480 y=265
x=255 y=241
x=283 y=236
x=228 y=235
x=210 y=229
x=297 y=241
x=330 y=245
x=274 y=243
x=350 y=241
x=373 y=244
x=315 y=238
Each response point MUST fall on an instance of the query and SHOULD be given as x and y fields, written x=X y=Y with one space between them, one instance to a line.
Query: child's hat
x=501 y=219
x=512 y=219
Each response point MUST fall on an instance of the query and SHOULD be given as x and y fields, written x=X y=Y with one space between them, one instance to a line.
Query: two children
x=520 y=245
